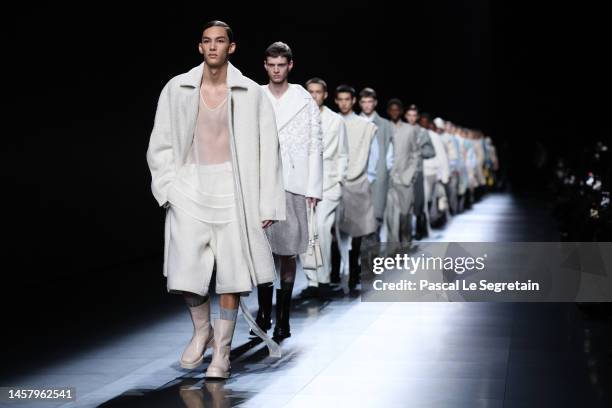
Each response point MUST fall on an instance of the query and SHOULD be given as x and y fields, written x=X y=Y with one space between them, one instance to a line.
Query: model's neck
x=214 y=76
x=278 y=89
x=349 y=113
x=368 y=115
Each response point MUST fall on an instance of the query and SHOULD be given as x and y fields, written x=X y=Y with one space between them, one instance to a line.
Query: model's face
x=367 y=104
x=394 y=112
x=411 y=117
x=424 y=122
x=318 y=93
x=215 y=46
x=345 y=102
x=278 y=69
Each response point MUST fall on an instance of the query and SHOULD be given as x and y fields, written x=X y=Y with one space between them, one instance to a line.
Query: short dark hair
x=217 y=23
x=368 y=93
x=414 y=108
x=279 y=49
x=318 y=81
x=426 y=116
x=395 y=101
x=346 y=88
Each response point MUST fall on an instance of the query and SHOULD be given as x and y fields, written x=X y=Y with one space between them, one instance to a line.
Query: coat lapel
x=326 y=121
x=376 y=119
x=193 y=78
x=288 y=105
x=191 y=83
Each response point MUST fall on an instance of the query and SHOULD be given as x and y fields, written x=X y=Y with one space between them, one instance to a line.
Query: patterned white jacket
x=298 y=121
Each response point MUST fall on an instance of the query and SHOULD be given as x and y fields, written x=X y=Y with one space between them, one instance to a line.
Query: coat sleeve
x=160 y=154
x=427 y=149
x=315 y=153
x=343 y=153
x=373 y=158
x=415 y=152
x=271 y=189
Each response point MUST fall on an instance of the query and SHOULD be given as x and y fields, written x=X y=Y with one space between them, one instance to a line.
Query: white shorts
x=202 y=228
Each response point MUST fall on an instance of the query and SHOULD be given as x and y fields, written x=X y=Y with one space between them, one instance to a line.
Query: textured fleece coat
x=256 y=160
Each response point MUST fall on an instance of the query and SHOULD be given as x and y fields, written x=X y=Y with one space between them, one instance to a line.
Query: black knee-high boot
x=334 y=277
x=421 y=226
x=264 y=313
x=283 y=311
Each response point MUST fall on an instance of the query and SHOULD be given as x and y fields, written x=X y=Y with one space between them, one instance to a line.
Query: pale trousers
x=326 y=218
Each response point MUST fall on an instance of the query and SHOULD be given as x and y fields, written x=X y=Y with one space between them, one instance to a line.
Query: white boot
x=220 y=365
x=203 y=336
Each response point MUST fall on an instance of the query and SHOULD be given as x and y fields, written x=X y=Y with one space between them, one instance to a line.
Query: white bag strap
x=273 y=347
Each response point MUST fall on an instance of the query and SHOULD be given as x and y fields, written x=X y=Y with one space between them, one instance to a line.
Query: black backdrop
x=84 y=232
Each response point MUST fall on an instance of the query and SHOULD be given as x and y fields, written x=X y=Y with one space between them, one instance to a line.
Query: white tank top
x=211 y=137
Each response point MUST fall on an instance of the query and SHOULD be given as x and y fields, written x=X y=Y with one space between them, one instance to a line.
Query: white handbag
x=312 y=259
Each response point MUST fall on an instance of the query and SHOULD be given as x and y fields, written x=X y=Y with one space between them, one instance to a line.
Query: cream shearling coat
x=256 y=160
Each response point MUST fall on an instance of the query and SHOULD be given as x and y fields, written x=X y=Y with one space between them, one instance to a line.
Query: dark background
x=84 y=234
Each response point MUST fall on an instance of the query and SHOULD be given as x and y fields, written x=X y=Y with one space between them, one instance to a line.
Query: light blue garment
x=390 y=157
x=375 y=156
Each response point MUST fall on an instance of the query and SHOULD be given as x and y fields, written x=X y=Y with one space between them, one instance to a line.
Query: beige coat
x=356 y=210
x=335 y=150
x=407 y=153
x=256 y=161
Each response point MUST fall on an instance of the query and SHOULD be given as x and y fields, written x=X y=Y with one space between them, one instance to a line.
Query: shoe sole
x=191 y=366
x=217 y=375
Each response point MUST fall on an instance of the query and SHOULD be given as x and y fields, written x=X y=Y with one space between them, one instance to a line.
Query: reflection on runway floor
x=349 y=353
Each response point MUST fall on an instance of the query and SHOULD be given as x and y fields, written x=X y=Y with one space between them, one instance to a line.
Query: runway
x=352 y=353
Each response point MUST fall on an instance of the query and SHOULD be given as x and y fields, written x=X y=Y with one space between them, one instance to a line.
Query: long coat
x=401 y=196
x=355 y=214
x=380 y=186
x=335 y=152
x=255 y=152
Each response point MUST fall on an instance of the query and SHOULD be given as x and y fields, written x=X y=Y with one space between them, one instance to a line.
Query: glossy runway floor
x=354 y=354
